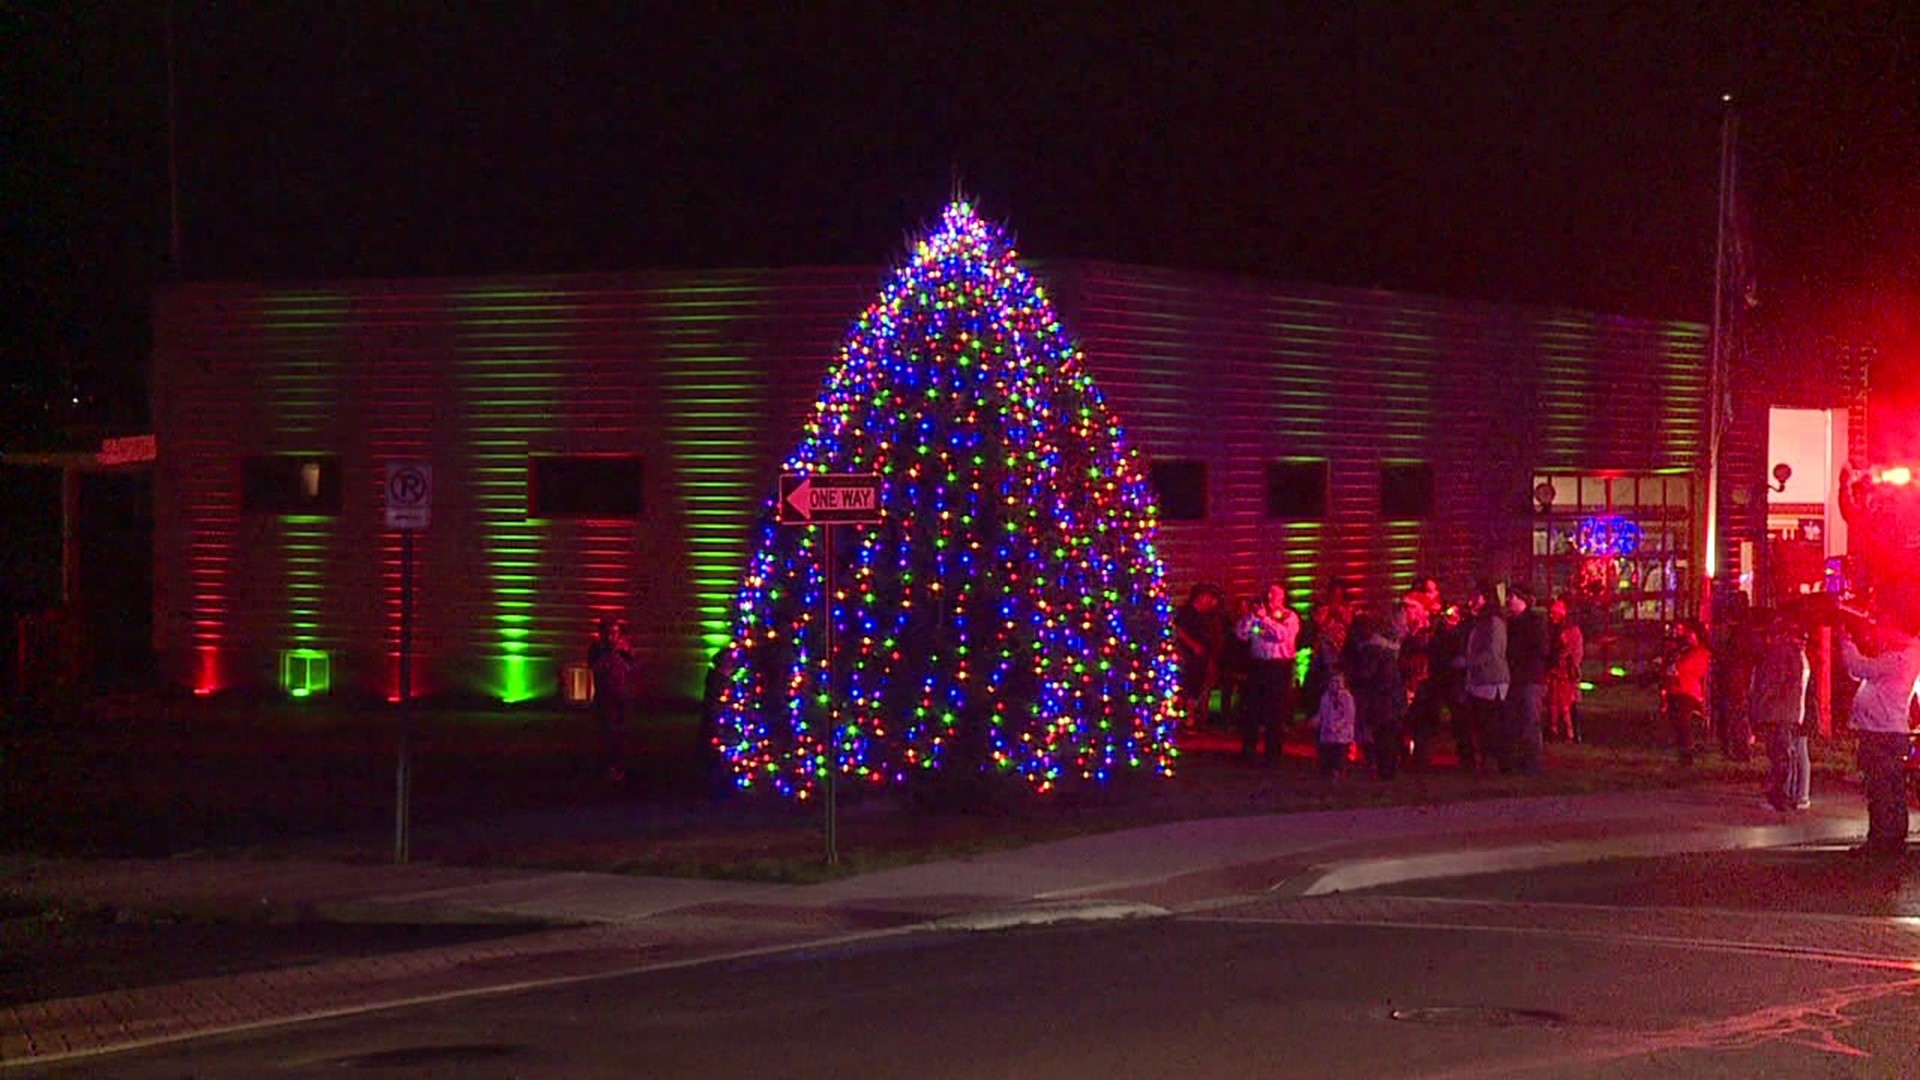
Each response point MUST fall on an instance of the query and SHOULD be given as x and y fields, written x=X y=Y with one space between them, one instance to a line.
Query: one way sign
x=829 y=498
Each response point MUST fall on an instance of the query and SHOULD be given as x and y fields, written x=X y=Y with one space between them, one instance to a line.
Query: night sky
x=1560 y=154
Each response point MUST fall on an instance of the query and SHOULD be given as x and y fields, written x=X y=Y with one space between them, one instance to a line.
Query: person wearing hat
x=1529 y=640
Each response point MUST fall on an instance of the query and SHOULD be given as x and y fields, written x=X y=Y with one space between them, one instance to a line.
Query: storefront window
x=1622 y=547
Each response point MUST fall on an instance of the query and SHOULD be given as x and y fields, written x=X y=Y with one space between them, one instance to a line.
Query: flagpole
x=174 y=252
x=1717 y=348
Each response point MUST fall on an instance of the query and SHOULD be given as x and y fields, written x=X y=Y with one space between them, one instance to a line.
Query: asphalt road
x=52 y=952
x=1779 y=964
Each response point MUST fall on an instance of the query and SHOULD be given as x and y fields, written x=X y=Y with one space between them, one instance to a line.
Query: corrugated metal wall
x=705 y=376
x=708 y=377
x=1240 y=373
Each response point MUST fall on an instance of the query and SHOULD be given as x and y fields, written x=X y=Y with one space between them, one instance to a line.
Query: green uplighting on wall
x=517 y=681
x=305 y=544
x=714 y=405
x=1399 y=551
x=302 y=330
x=514 y=344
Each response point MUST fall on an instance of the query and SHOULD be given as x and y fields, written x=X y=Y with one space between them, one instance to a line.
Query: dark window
x=290 y=484
x=1406 y=490
x=1181 y=488
x=599 y=486
x=1297 y=489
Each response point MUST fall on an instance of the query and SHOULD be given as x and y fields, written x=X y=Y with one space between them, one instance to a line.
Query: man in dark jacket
x=1371 y=662
x=611 y=658
x=1529 y=636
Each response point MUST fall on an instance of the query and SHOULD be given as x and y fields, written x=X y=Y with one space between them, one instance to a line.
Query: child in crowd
x=1335 y=719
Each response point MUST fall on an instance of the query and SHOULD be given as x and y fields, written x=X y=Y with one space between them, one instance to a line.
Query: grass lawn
x=516 y=787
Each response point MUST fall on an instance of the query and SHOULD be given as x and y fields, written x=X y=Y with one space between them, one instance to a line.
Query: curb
x=1052 y=913
x=1368 y=873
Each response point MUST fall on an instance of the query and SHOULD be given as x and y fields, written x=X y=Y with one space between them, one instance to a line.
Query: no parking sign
x=409 y=495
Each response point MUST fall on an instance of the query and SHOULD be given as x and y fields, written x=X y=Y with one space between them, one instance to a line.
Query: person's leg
x=1530 y=754
x=1742 y=733
x=1365 y=719
x=1779 y=738
x=1465 y=746
x=1389 y=740
x=1423 y=724
x=1799 y=787
x=1506 y=723
x=1487 y=718
x=610 y=718
x=1253 y=710
x=1680 y=717
x=1281 y=713
x=1880 y=756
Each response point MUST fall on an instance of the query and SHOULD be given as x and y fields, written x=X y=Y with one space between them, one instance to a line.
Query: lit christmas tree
x=1008 y=614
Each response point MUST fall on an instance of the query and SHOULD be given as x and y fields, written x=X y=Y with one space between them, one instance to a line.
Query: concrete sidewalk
x=609 y=924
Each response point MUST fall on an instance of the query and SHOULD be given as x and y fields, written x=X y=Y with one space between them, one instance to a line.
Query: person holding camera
x=1881 y=723
x=1272 y=630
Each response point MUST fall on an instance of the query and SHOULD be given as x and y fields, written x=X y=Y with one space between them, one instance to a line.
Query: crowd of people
x=1383 y=685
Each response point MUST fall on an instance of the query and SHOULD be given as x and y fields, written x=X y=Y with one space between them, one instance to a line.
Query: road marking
x=73 y=1029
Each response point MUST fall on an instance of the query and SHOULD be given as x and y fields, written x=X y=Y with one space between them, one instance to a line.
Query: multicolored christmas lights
x=1008 y=614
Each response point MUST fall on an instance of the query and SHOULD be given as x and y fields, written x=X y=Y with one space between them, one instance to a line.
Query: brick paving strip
x=1872 y=941
x=45 y=1032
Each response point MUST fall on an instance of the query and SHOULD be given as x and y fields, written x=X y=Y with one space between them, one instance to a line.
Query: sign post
x=409 y=504
x=830 y=500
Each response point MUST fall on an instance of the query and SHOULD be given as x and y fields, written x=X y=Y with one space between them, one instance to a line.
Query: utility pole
x=1717 y=353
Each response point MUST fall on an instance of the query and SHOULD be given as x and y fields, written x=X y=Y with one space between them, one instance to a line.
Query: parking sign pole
x=409 y=497
x=402 y=779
